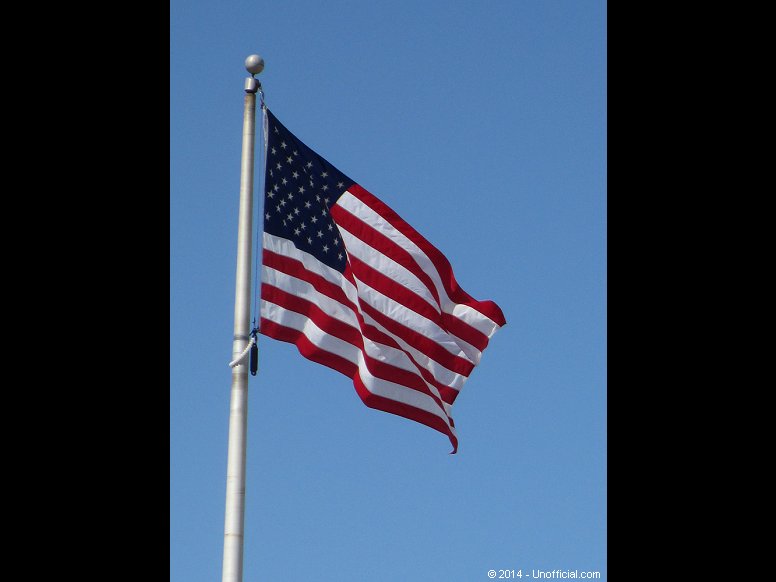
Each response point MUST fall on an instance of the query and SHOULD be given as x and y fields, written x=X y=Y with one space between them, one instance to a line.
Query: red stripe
x=447 y=393
x=399 y=409
x=416 y=303
x=385 y=285
x=312 y=352
x=381 y=370
x=392 y=289
x=442 y=265
x=463 y=330
x=347 y=333
x=310 y=310
x=382 y=243
x=307 y=348
x=388 y=247
x=295 y=268
x=420 y=342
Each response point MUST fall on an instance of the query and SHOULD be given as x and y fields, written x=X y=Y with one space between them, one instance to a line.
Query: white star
x=276 y=130
x=276 y=187
x=289 y=159
x=282 y=202
x=314 y=220
x=307 y=204
x=309 y=241
x=301 y=189
x=295 y=174
x=296 y=153
x=309 y=164
x=339 y=256
x=340 y=184
x=296 y=211
x=279 y=166
x=266 y=216
x=290 y=195
x=285 y=181
x=296 y=231
x=325 y=175
x=290 y=216
x=336 y=242
x=325 y=248
x=271 y=194
x=302 y=226
x=274 y=151
x=283 y=145
x=320 y=234
x=325 y=187
x=331 y=226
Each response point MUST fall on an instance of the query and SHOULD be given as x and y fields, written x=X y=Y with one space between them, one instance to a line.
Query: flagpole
x=234 y=518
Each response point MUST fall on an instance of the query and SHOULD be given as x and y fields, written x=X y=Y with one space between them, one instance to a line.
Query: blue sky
x=484 y=126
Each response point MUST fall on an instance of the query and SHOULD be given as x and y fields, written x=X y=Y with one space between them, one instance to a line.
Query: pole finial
x=254 y=64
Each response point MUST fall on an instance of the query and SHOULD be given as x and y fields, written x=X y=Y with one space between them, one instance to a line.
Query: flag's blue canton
x=300 y=189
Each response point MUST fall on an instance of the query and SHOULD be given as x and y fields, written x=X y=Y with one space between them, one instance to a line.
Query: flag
x=357 y=289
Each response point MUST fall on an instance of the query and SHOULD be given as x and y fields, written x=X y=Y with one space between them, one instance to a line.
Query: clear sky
x=483 y=124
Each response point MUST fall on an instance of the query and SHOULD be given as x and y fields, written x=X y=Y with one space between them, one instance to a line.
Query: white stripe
x=399 y=393
x=467 y=314
x=408 y=318
x=390 y=268
x=387 y=266
x=285 y=247
x=474 y=318
x=305 y=290
x=441 y=374
x=398 y=359
x=344 y=313
x=336 y=346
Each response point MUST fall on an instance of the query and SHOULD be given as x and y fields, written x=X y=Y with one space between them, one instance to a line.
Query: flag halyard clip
x=254 y=351
x=254 y=361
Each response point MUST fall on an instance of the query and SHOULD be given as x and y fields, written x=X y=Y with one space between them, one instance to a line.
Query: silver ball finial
x=254 y=64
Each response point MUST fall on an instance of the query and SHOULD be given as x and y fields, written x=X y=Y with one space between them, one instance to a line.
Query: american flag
x=357 y=289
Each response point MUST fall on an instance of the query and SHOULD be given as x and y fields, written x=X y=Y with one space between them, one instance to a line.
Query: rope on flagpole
x=241 y=357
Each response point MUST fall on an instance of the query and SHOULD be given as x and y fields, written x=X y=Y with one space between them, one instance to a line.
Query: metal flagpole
x=238 y=415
